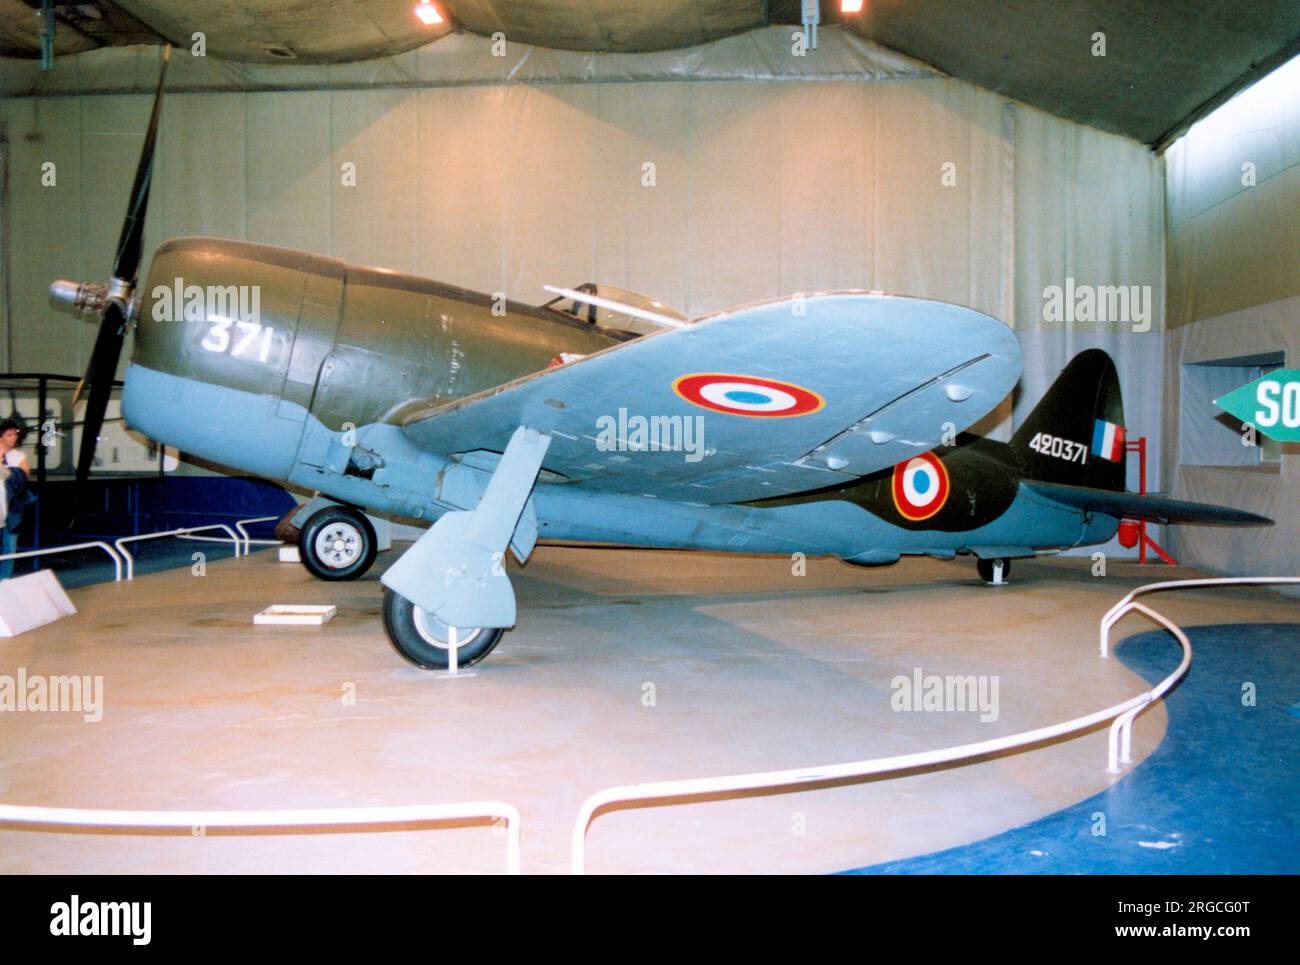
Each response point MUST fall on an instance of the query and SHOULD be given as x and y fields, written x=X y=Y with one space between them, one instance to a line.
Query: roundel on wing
x=920 y=486
x=747 y=395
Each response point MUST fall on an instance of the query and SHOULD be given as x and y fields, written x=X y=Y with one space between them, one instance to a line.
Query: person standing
x=15 y=472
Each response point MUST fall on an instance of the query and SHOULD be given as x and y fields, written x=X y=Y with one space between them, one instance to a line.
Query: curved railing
x=1119 y=747
x=643 y=794
x=1121 y=731
x=1115 y=613
x=251 y=821
x=1122 y=716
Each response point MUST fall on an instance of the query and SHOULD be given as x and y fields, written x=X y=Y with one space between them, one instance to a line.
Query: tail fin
x=1075 y=435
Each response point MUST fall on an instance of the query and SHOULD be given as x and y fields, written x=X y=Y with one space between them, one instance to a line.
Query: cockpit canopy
x=611 y=320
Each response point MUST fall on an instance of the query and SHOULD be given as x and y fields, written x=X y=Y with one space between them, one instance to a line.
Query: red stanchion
x=1144 y=540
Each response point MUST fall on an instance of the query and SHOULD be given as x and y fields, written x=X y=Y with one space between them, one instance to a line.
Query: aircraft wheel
x=422 y=638
x=338 y=543
x=994 y=572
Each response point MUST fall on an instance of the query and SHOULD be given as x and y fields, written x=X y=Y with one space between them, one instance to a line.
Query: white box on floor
x=289 y=554
x=296 y=614
x=31 y=601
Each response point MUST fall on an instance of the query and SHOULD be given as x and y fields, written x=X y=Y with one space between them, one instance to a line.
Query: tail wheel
x=338 y=543
x=994 y=572
x=424 y=640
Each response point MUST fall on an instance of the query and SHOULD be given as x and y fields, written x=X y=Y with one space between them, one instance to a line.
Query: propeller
x=112 y=303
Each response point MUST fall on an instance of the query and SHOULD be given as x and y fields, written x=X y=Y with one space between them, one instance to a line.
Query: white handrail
x=130 y=560
x=241 y=540
x=117 y=560
x=830 y=772
x=244 y=540
x=243 y=544
x=1122 y=726
x=1121 y=731
x=248 y=540
x=299 y=819
x=1114 y=614
x=1119 y=744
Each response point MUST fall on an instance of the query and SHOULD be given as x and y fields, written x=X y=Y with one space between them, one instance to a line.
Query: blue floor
x=1220 y=795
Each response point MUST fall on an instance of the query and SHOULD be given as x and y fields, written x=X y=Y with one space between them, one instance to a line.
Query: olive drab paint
x=345 y=343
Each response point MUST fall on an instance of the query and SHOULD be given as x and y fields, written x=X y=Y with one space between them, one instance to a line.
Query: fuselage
x=302 y=369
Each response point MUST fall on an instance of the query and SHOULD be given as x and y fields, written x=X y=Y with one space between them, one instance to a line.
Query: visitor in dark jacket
x=16 y=495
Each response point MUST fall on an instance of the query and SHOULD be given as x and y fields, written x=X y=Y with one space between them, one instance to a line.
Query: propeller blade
x=103 y=363
x=85 y=381
x=126 y=264
x=97 y=384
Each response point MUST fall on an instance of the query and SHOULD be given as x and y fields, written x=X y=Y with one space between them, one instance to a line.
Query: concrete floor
x=752 y=668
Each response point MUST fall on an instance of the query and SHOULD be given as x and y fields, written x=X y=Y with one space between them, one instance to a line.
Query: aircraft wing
x=1153 y=509
x=766 y=400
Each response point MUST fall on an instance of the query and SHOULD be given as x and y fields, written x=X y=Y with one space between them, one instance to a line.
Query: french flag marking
x=1108 y=440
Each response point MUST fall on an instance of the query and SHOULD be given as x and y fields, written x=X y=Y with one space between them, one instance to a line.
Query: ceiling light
x=428 y=13
x=850 y=6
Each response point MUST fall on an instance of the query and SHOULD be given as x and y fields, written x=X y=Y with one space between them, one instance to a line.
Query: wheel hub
x=339 y=545
x=436 y=633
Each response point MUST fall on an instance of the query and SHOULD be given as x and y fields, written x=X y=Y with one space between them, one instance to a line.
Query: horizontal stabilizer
x=1153 y=509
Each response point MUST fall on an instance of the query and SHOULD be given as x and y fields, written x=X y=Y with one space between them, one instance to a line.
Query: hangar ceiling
x=1166 y=61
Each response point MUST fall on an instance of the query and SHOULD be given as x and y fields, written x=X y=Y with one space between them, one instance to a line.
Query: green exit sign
x=1271 y=404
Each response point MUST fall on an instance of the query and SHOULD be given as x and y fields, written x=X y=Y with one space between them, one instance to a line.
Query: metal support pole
x=1142 y=491
x=812 y=15
x=42 y=400
x=47 y=34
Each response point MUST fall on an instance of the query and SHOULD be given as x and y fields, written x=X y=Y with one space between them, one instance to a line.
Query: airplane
x=827 y=424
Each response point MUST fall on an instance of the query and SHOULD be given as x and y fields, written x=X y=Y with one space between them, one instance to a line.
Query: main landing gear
x=994 y=572
x=452 y=580
x=423 y=639
x=337 y=543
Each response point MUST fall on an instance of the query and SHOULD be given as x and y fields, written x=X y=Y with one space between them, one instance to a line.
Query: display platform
x=1195 y=807
x=628 y=666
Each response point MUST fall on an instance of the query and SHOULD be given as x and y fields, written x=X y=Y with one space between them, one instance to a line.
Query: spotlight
x=428 y=13
x=850 y=6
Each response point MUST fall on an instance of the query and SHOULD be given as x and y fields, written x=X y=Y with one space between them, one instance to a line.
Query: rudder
x=1075 y=435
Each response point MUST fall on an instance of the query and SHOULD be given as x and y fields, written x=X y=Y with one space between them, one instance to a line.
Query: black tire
x=338 y=543
x=985 y=568
x=403 y=622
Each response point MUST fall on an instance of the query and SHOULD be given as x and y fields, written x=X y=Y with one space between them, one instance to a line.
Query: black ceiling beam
x=116 y=26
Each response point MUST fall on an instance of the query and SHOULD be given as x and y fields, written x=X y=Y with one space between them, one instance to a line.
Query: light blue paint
x=748 y=398
x=860 y=351
x=253 y=434
x=466 y=548
x=222 y=425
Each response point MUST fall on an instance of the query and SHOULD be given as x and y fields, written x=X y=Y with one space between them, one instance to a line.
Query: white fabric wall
x=1234 y=291
x=1088 y=208
x=1272 y=490
x=1232 y=243
x=816 y=174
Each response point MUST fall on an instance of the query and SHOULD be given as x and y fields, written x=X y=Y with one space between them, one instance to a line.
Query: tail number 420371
x=243 y=339
x=1055 y=446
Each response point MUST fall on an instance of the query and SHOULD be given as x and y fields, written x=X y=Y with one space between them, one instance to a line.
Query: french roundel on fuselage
x=920 y=486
